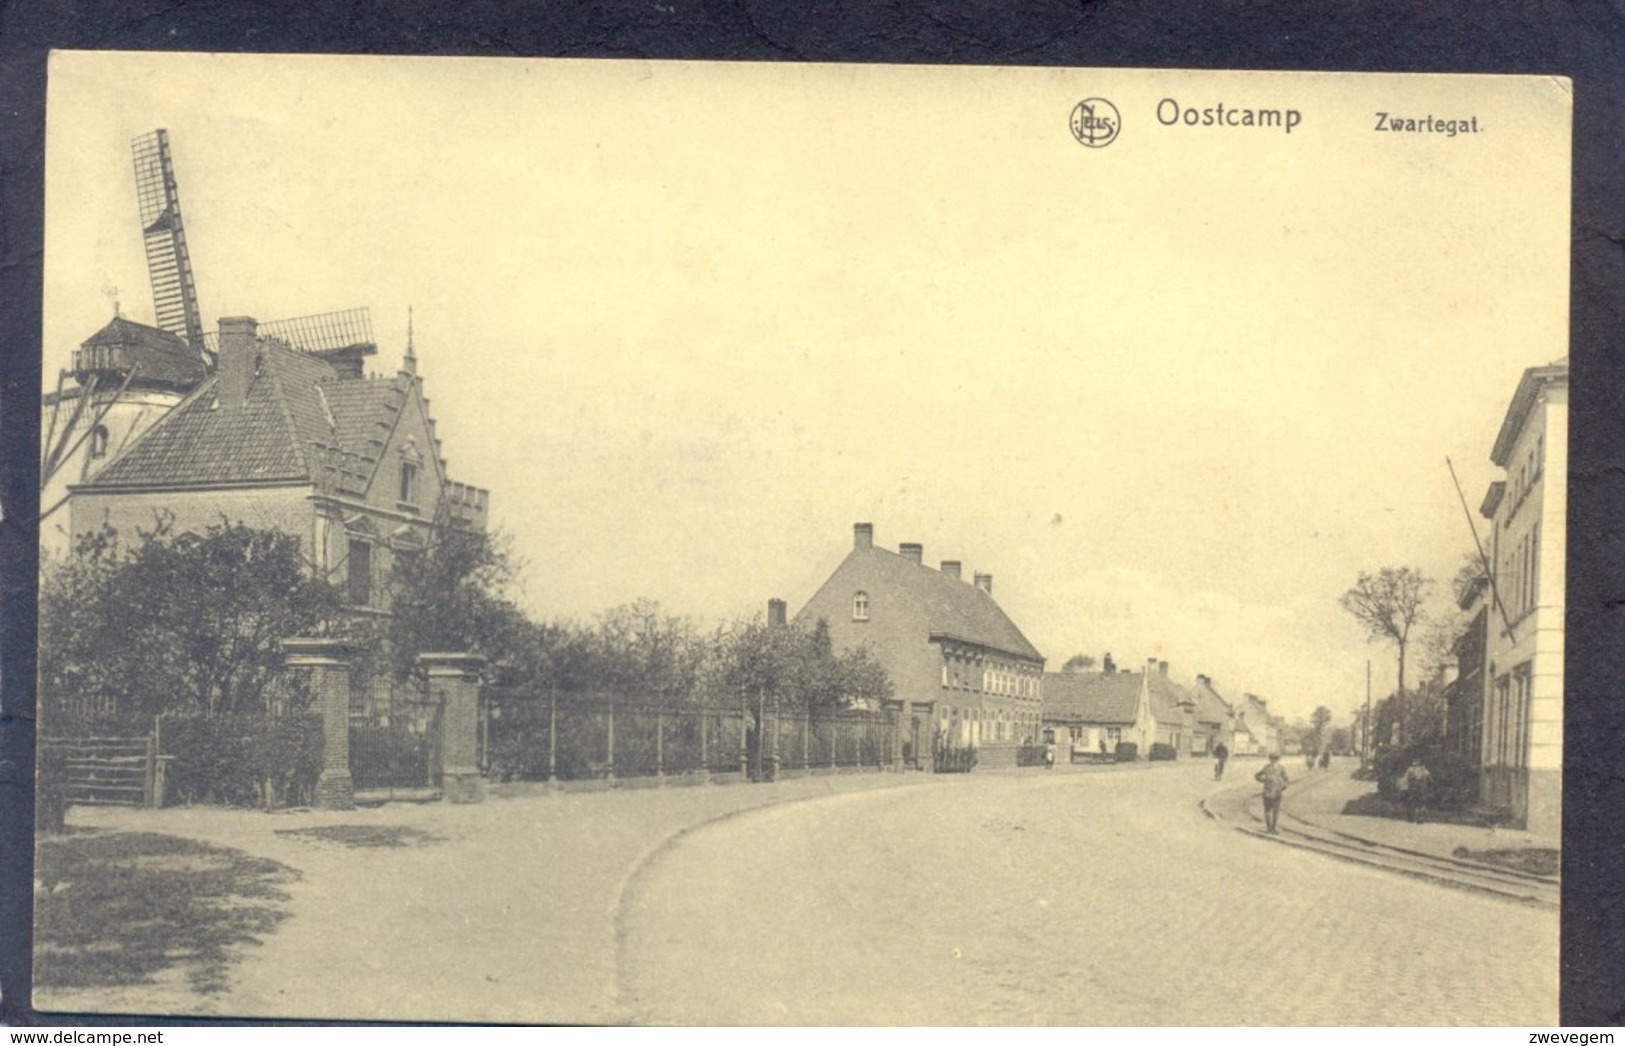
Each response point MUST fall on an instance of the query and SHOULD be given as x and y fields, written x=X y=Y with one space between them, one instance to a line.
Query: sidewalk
x=1318 y=797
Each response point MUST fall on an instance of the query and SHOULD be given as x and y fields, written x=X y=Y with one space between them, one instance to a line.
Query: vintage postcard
x=626 y=542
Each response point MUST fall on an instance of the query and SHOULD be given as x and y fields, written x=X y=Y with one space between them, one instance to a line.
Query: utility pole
x=1365 y=738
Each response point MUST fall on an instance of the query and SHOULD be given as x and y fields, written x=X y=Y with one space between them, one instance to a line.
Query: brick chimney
x=910 y=551
x=985 y=583
x=1108 y=666
x=951 y=568
x=1162 y=668
x=777 y=612
x=239 y=360
x=863 y=535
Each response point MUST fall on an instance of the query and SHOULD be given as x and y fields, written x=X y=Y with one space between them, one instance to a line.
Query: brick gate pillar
x=455 y=680
x=328 y=661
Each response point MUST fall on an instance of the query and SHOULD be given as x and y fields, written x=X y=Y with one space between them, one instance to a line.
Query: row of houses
x=965 y=675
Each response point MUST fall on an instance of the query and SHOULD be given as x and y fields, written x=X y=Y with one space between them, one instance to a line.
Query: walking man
x=1220 y=754
x=1275 y=782
x=1418 y=780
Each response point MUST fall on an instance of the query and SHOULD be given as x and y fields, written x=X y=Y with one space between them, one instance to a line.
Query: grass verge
x=116 y=909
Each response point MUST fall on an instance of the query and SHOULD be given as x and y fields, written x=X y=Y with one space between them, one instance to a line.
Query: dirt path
x=501 y=912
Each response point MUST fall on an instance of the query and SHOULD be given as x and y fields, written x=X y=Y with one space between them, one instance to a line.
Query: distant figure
x=1308 y=760
x=1275 y=782
x=1418 y=782
x=1325 y=758
x=1049 y=757
x=1220 y=754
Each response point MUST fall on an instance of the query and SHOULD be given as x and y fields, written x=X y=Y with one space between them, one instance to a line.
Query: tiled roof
x=1091 y=697
x=363 y=412
x=287 y=430
x=951 y=607
x=1166 y=696
x=1210 y=707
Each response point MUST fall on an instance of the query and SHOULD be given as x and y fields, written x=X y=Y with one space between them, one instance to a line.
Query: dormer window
x=860 y=606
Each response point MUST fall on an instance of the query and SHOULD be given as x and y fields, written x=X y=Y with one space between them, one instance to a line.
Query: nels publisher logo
x=1095 y=122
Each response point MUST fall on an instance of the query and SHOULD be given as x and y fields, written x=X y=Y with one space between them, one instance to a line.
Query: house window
x=409 y=482
x=98 y=441
x=360 y=576
x=860 y=606
x=1114 y=735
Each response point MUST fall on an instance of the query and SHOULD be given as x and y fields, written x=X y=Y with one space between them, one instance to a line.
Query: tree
x=1319 y=719
x=1388 y=604
x=179 y=622
x=452 y=595
x=1078 y=663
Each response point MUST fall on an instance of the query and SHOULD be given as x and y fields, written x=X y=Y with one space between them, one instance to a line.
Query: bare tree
x=1389 y=605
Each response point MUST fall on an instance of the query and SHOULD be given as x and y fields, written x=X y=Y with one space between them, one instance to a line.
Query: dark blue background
x=1583 y=40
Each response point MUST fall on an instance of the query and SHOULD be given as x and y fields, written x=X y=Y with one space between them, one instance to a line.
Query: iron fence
x=571 y=736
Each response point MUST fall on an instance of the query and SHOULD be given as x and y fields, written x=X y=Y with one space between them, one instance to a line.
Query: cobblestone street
x=1098 y=895
x=1060 y=899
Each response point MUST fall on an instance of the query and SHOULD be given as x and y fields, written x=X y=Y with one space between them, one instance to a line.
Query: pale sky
x=689 y=322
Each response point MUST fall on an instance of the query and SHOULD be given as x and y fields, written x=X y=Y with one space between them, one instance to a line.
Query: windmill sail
x=174 y=295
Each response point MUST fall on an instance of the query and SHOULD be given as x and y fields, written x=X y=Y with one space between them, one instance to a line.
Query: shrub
x=1160 y=751
x=51 y=792
x=955 y=759
x=1127 y=751
x=243 y=760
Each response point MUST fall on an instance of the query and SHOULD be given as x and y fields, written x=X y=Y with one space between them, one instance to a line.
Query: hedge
x=242 y=760
x=1127 y=751
x=1161 y=751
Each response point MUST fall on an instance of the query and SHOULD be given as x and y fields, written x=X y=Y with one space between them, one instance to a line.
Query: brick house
x=298 y=441
x=961 y=671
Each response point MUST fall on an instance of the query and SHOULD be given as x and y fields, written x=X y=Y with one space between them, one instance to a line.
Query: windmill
x=174 y=294
x=131 y=373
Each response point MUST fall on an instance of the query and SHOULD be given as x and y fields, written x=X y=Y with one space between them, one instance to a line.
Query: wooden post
x=705 y=728
x=806 y=751
x=552 y=734
x=660 y=738
x=744 y=735
x=148 y=784
x=610 y=755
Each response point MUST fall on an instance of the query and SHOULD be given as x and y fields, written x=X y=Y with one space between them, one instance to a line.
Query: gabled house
x=1215 y=720
x=1253 y=718
x=297 y=441
x=1099 y=710
x=1173 y=707
x=962 y=672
